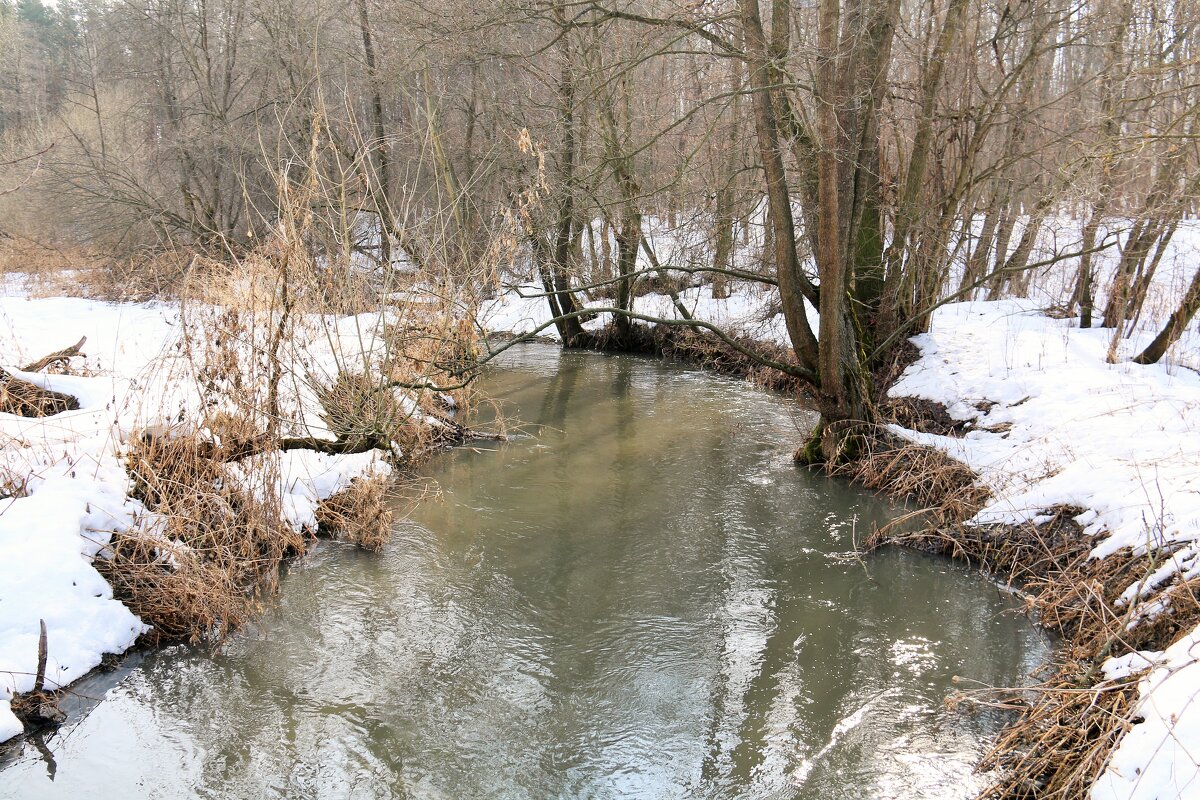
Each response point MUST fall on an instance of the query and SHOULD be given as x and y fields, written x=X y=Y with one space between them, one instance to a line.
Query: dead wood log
x=65 y=354
x=40 y=679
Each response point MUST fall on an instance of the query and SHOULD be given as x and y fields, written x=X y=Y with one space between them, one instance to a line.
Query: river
x=637 y=596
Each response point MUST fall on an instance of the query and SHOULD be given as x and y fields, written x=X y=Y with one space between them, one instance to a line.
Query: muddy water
x=639 y=597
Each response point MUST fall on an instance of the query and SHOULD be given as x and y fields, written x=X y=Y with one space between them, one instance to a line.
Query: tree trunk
x=793 y=285
x=379 y=146
x=1175 y=326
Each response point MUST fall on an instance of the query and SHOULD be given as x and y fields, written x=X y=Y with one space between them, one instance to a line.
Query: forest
x=302 y=240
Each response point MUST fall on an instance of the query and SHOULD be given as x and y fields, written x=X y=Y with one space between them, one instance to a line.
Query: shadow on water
x=646 y=599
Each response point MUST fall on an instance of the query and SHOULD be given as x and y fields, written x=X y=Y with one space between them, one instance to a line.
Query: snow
x=1160 y=757
x=1119 y=440
x=63 y=481
x=1120 y=667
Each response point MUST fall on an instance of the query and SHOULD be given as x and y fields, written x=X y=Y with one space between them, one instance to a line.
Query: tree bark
x=1175 y=326
x=793 y=285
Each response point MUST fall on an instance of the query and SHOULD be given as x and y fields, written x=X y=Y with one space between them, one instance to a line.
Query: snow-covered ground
x=64 y=485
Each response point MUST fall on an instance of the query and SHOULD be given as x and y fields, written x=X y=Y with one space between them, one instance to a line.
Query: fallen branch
x=65 y=354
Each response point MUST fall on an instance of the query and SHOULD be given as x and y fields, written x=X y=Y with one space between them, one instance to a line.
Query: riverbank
x=1093 y=504
x=1082 y=484
x=155 y=508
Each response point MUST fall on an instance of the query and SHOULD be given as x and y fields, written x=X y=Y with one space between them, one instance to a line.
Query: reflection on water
x=640 y=598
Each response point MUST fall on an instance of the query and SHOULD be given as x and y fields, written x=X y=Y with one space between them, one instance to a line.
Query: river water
x=637 y=596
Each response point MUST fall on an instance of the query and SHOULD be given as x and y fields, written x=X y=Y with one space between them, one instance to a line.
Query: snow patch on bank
x=1067 y=428
x=1160 y=757
x=63 y=483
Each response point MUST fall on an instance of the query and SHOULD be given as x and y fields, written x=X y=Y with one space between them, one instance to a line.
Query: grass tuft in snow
x=362 y=514
x=211 y=542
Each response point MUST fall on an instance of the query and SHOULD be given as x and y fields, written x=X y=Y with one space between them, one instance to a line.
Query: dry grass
x=29 y=400
x=945 y=490
x=1062 y=740
x=54 y=270
x=363 y=513
x=197 y=566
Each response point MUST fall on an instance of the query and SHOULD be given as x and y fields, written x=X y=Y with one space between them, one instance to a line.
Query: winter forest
x=600 y=398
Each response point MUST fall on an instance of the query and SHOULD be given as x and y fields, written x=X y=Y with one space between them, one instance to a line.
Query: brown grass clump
x=358 y=408
x=1064 y=737
x=945 y=490
x=62 y=270
x=926 y=416
x=29 y=400
x=196 y=568
x=361 y=514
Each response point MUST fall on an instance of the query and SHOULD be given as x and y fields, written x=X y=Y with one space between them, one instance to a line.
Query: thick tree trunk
x=793 y=285
x=1141 y=286
x=554 y=271
x=1085 y=291
x=1137 y=247
x=722 y=241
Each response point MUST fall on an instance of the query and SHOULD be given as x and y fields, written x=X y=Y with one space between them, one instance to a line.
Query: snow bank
x=1160 y=757
x=63 y=483
x=1066 y=428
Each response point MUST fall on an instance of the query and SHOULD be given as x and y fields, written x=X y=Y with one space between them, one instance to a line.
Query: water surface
x=639 y=596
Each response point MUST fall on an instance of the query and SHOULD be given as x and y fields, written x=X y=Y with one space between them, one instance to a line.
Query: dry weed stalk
x=945 y=490
x=363 y=513
x=1063 y=738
